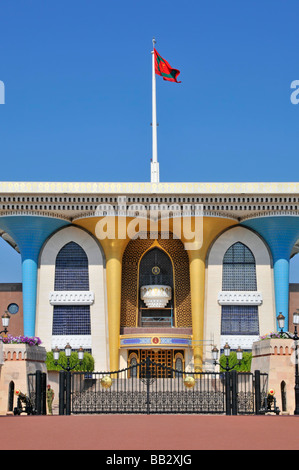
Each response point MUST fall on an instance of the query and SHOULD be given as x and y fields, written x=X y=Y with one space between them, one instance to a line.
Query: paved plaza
x=149 y=433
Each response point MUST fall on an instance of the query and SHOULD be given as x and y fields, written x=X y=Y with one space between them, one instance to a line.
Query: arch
x=71 y=268
x=262 y=298
x=133 y=253
x=156 y=257
x=75 y=238
x=179 y=363
x=133 y=361
x=155 y=268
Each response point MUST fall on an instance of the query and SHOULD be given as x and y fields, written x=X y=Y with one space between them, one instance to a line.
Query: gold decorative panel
x=131 y=258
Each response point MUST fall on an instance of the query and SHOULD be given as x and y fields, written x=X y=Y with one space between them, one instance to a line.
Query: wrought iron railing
x=156 y=321
x=151 y=388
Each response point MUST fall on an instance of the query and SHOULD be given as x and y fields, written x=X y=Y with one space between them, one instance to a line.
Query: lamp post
x=226 y=348
x=295 y=337
x=5 y=323
x=230 y=378
x=65 y=378
x=68 y=351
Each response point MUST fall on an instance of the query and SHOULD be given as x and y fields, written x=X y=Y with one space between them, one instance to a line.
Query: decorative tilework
x=141 y=188
x=131 y=341
x=71 y=297
x=129 y=300
x=148 y=341
x=175 y=341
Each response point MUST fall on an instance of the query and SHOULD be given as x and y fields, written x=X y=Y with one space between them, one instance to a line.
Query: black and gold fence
x=152 y=388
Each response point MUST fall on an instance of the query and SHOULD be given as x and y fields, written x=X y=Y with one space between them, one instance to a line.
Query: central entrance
x=169 y=359
x=160 y=356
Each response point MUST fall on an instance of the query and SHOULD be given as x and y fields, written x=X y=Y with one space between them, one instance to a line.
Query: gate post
x=227 y=393
x=234 y=392
x=257 y=390
x=38 y=392
x=61 y=392
x=44 y=394
x=68 y=377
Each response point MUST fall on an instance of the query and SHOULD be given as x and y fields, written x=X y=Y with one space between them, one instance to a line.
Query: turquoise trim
x=30 y=233
x=281 y=234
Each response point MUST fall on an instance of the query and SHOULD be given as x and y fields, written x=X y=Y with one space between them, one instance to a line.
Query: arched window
x=155 y=269
x=71 y=270
x=179 y=364
x=133 y=367
x=148 y=274
x=239 y=270
x=71 y=274
x=239 y=274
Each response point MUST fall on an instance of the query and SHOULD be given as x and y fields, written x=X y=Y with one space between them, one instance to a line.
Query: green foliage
x=232 y=360
x=86 y=366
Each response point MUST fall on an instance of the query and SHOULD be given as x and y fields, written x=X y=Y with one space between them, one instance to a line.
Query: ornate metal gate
x=37 y=382
x=144 y=389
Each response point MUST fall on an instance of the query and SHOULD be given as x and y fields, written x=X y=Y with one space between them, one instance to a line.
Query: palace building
x=166 y=270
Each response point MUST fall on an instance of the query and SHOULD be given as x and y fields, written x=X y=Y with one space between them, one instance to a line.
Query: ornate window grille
x=239 y=269
x=239 y=274
x=71 y=274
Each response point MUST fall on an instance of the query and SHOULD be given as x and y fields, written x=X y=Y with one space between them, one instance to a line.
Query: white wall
x=98 y=340
x=265 y=285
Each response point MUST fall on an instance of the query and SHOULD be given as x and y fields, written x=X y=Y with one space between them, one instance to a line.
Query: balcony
x=156 y=318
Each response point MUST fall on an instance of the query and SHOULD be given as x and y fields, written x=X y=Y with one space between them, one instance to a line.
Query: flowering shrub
x=31 y=341
x=274 y=334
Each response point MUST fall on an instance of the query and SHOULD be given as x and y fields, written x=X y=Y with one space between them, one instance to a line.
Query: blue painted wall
x=30 y=233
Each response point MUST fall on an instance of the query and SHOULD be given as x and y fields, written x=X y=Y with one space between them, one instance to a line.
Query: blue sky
x=77 y=78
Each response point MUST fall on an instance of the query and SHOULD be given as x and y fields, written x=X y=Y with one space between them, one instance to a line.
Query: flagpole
x=155 y=178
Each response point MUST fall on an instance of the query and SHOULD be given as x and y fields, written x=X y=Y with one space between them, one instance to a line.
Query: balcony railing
x=159 y=318
x=156 y=321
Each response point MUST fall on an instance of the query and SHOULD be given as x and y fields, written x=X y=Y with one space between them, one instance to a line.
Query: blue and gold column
x=280 y=233
x=29 y=233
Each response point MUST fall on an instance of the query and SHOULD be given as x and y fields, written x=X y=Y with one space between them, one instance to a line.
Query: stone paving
x=154 y=432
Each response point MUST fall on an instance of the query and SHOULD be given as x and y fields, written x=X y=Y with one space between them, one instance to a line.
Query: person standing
x=50 y=398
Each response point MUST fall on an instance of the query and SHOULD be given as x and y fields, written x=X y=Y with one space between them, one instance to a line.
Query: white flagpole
x=155 y=178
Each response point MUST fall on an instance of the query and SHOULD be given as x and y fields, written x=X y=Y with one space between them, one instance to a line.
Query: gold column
x=211 y=228
x=197 y=283
x=113 y=249
x=114 y=252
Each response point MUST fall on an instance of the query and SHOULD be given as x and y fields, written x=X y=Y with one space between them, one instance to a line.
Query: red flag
x=163 y=68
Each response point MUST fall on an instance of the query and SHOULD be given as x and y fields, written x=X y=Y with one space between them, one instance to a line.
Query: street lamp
x=295 y=337
x=5 y=322
x=226 y=349
x=68 y=351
